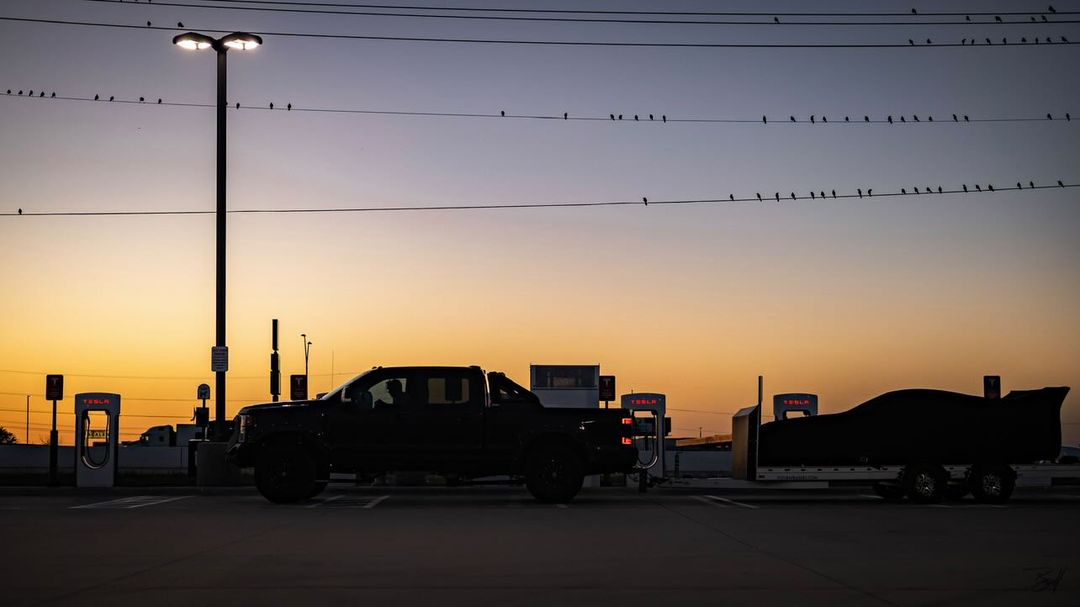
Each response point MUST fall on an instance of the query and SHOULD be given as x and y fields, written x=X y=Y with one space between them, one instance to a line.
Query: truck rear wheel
x=554 y=474
x=925 y=484
x=285 y=473
x=992 y=484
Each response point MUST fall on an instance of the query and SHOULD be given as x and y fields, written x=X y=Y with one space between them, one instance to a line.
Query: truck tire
x=992 y=484
x=553 y=474
x=924 y=483
x=285 y=473
x=890 y=492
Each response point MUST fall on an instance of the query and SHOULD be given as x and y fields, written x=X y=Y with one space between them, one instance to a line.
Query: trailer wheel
x=553 y=474
x=992 y=484
x=285 y=473
x=890 y=492
x=925 y=484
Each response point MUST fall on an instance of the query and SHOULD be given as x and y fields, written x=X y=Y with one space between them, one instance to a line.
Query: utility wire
x=622 y=117
x=771 y=21
x=911 y=42
x=644 y=202
x=1049 y=11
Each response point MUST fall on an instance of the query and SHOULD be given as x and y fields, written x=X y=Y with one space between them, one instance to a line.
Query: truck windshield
x=336 y=392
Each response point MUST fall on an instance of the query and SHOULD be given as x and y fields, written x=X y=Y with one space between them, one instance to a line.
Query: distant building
x=576 y=386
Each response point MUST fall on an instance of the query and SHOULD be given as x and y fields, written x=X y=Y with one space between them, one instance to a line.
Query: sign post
x=607 y=389
x=298 y=387
x=54 y=391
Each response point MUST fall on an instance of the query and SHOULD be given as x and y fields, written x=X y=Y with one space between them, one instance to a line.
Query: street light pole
x=238 y=41
x=307 y=349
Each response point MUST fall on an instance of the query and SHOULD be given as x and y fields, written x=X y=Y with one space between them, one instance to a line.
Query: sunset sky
x=845 y=298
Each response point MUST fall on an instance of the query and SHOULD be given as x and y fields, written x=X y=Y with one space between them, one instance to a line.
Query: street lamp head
x=241 y=41
x=193 y=41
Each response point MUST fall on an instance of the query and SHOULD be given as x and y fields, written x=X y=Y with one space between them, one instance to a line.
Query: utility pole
x=26 y=438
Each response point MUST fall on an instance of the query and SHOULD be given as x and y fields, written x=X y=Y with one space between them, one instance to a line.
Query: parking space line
x=128 y=503
x=375 y=502
x=727 y=501
x=329 y=499
x=563 y=506
x=709 y=502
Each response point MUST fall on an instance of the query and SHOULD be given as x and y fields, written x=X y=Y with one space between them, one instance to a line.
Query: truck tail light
x=627 y=421
x=627 y=441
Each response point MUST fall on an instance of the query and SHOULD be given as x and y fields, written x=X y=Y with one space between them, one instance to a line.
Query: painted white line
x=375 y=502
x=727 y=501
x=709 y=502
x=563 y=506
x=127 y=503
x=327 y=500
x=867 y=495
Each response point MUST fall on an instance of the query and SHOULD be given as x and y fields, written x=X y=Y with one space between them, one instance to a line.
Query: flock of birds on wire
x=813 y=119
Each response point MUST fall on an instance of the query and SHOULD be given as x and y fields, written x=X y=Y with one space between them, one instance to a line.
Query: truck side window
x=448 y=390
x=390 y=392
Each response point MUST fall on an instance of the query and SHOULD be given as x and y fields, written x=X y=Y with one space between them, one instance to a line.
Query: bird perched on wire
x=159 y=100
x=965 y=188
x=764 y=120
x=271 y=105
x=859 y=190
x=645 y=200
x=903 y=191
x=142 y=99
x=1060 y=184
x=939 y=189
x=179 y=24
x=635 y=118
x=502 y=113
x=237 y=105
x=776 y=19
x=870 y=192
x=977 y=188
x=791 y=117
x=650 y=116
x=1018 y=186
x=1031 y=184
x=53 y=95
x=778 y=197
x=731 y=197
x=955 y=119
x=793 y=195
x=902 y=119
x=612 y=116
x=997 y=18
x=889 y=119
x=111 y=97
x=834 y=193
x=847 y=119
x=811 y=119
x=812 y=195
x=620 y=116
x=759 y=196
x=664 y=117
x=1049 y=117
x=990 y=187
x=565 y=115
x=966 y=119
x=20 y=211
x=288 y=107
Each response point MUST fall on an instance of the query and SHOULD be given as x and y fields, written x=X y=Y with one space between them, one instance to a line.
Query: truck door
x=365 y=428
x=443 y=424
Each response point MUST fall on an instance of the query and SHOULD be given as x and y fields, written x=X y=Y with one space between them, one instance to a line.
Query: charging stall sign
x=219 y=359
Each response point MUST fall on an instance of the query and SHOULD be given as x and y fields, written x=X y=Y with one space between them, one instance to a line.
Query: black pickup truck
x=456 y=421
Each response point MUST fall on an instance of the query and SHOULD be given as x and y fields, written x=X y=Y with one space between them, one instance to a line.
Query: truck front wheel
x=285 y=473
x=554 y=474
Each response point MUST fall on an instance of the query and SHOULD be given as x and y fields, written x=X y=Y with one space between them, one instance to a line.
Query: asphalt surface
x=496 y=546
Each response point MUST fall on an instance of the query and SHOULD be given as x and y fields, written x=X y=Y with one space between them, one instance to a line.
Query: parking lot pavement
x=480 y=545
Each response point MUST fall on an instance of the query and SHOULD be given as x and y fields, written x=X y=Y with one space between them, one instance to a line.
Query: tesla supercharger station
x=97 y=438
x=652 y=409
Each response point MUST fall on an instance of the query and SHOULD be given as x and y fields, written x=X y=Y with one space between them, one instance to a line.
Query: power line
x=581 y=43
x=771 y=21
x=625 y=118
x=644 y=202
x=614 y=12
